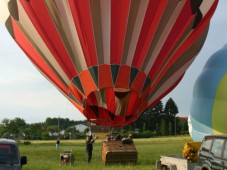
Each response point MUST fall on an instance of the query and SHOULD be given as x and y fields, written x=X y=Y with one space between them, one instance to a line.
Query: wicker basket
x=116 y=152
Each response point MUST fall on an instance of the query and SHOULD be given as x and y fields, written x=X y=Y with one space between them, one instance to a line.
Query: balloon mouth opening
x=112 y=106
x=115 y=100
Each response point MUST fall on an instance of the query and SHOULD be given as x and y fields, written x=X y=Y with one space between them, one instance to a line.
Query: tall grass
x=42 y=155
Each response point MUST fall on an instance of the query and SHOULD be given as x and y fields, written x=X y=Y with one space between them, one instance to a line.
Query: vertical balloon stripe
x=131 y=102
x=105 y=78
x=85 y=18
x=47 y=30
x=160 y=54
x=119 y=19
x=200 y=29
x=219 y=110
x=72 y=35
x=76 y=14
x=32 y=35
x=37 y=41
x=102 y=95
x=110 y=100
x=97 y=28
x=168 y=81
x=106 y=20
x=100 y=99
x=189 y=42
x=136 y=31
x=153 y=15
x=187 y=57
x=28 y=48
x=59 y=26
x=122 y=81
x=165 y=25
x=133 y=12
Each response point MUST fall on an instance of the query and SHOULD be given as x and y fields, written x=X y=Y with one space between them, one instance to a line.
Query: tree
x=183 y=125
x=163 y=127
x=16 y=125
x=147 y=120
x=35 y=130
x=150 y=118
x=171 y=111
x=170 y=128
x=4 y=126
x=157 y=110
x=171 y=108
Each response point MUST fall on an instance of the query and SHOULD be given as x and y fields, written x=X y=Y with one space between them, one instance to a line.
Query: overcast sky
x=25 y=93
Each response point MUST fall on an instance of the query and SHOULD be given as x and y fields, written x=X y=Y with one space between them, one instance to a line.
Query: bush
x=27 y=143
x=145 y=134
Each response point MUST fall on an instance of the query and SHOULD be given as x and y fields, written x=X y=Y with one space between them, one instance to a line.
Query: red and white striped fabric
x=111 y=58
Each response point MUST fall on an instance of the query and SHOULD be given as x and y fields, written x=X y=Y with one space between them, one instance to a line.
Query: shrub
x=27 y=143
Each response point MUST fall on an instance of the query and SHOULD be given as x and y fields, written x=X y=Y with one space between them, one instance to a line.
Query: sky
x=25 y=93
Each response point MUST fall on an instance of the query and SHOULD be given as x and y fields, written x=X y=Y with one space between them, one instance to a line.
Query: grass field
x=42 y=155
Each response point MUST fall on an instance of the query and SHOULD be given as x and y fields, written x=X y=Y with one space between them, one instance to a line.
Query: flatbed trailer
x=174 y=162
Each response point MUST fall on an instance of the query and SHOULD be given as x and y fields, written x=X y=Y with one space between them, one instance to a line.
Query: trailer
x=174 y=162
x=186 y=161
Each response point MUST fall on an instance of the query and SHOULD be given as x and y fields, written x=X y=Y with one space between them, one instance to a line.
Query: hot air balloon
x=208 y=108
x=111 y=58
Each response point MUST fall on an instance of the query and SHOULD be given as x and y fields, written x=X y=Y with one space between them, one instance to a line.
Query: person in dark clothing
x=89 y=147
x=57 y=144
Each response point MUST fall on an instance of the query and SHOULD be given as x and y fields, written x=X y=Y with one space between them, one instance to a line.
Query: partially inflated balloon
x=111 y=58
x=209 y=106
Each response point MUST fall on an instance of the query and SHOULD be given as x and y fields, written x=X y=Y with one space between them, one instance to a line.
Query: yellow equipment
x=190 y=151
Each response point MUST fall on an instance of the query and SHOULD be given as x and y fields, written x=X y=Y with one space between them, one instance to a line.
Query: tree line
x=17 y=128
x=162 y=120
x=158 y=120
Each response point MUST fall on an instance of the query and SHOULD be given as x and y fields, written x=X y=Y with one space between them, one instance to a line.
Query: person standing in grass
x=90 y=139
x=57 y=143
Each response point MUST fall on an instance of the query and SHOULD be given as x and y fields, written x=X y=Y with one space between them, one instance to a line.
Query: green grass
x=42 y=155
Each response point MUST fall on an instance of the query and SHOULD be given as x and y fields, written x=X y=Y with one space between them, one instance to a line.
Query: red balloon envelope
x=111 y=58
